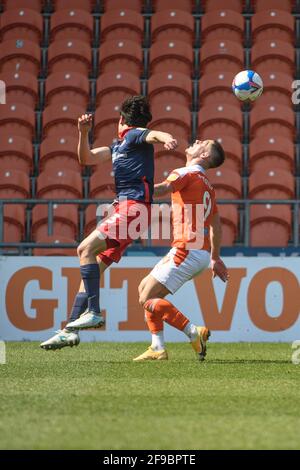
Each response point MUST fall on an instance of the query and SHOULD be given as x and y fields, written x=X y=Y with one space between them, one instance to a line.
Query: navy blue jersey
x=133 y=165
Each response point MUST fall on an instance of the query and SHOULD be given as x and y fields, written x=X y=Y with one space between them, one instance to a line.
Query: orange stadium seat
x=21 y=87
x=67 y=87
x=121 y=55
x=222 y=25
x=215 y=88
x=235 y=5
x=14 y=184
x=19 y=55
x=233 y=152
x=122 y=24
x=135 y=5
x=177 y=157
x=59 y=151
x=273 y=56
x=270 y=25
x=171 y=56
x=69 y=55
x=273 y=152
x=187 y=5
x=170 y=87
x=230 y=221
x=106 y=123
x=21 y=23
x=65 y=220
x=56 y=251
x=172 y=118
x=72 y=23
x=277 y=89
x=166 y=25
x=220 y=119
x=36 y=5
x=93 y=216
x=221 y=56
x=271 y=184
x=166 y=163
x=227 y=183
x=15 y=152
x=17 y=120
x=86 y=5
x=270 y=225
x=14 y=223
x=60 y=184
x=285 y=5
x=102 y=179
x=61 y=119
x=161 y=226
x=116 y=87
x=272 y=119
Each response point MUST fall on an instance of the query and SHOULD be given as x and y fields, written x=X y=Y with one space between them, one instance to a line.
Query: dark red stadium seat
x=277 y=89
x=14 y=223
x=102 y=179
x=60 y=184
x=71 y=23
x=36 y=5
x=69 y=55
x=56 y=240
x=235 y=5
x=270 y=225
x=285 y=5
x=21 y=23
x=60 y=152
x=67 y=87
x=116 y=87
x=215 y=88
x=172 y=118
x=171 y=56
x=17 y=120
x=220 y=120
x=166 y=25
x=221 y=56
x=227 y=183
x=86 y=5
x=271 y=184
x=106 y=123
x=272 y=151
x=14 y=184
x=20 y=55
x=273 y=55
x=61 y=120
x=222 y=24
x=15 y=152
x=272 y=119
x=160 y=5
x=230 y=221
x=21 y=87
x=170 y=87
x=121 y=55
x=270 y=25
x=122 y=24
x=65 y=220
x=233 y=152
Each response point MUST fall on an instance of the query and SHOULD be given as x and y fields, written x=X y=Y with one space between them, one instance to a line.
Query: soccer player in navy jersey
x=133 y=164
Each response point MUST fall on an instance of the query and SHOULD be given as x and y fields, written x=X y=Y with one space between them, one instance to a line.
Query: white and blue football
x=247 y=85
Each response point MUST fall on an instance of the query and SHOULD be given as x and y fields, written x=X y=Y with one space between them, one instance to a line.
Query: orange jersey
x=193 y=206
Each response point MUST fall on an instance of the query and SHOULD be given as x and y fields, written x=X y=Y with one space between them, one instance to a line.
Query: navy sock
x=79 y=306
x=90 y=274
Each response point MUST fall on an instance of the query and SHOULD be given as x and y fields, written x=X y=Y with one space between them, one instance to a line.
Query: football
x=247 y=85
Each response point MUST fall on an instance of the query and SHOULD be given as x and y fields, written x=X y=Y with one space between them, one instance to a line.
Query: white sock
x=158 y=342
x=191 y=331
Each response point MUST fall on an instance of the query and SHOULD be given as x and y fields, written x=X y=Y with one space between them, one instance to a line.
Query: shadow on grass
x=248 y=361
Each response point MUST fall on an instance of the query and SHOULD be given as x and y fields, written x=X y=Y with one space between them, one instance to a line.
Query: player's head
x=207 y=153
x=135 y=112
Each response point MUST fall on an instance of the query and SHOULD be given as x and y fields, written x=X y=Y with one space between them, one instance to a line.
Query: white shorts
x=180 y=266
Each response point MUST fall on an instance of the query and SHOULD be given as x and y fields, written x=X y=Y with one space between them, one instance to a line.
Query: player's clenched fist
x=170 y=143
x=219 y=269
x=85 y=123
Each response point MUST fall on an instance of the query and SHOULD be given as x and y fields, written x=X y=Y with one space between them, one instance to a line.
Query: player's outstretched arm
x=218 y=267
x=158 y=137
x=87 y=156
x=161 y=189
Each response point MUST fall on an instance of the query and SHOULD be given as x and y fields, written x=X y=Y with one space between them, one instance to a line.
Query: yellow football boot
x=151 y=355
x=199 y=345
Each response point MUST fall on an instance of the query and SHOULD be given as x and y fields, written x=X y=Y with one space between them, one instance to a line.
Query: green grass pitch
x=244 y=396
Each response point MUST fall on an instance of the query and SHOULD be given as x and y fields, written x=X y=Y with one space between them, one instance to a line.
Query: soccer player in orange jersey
x=196 y=244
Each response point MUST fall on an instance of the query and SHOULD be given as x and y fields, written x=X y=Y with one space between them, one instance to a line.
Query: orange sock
x=159 y=310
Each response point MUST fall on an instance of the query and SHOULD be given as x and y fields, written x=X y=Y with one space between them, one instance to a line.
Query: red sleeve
x=178 y=181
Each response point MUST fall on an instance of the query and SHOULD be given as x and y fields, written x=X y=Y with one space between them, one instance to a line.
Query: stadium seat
x=102 y=179
x=59 y=151
x=71 y=23
x=273 y=25
x=275 y=56
x=166 y=25
x=121 y=56
x=177 y=157
x=222 y=24
x=230 y=221
x=166 y=163
x=21 y=87
x=187 y=5
x=70 y=56
x=271 y=184
x=14 y=184
x=273 y=152
x=172 y=118
x=220 y=120
x=285 y=5
x=135 y=5
x=270 y=225
x=15 y=152
x=59 y=184
x=86 y=5
x=161 y=227
x=65 y=220
x=17 y=120
x=277 y=89
x=56 y=250
x=90 y=219
x=21 y=23
x=61 y=120
x=272 y=119
x=170 y=87
x=233 y=152
x=235 y=5
x=227 y=183
x=171 y=56
x=14 y=223
x=116 y=87
x=106 y=123
x=215 y=88
x=221 y=56
x=20 y=55
x=122 y=24
x=36 y=5
x=67 y=87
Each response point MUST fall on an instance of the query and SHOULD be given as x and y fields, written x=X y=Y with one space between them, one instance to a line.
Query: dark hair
x=136 y=111
x=217 y=156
